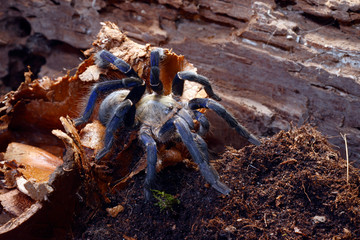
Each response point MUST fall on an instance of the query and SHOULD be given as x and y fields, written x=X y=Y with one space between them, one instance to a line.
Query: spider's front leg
x=180 y=77
x=102 y=59
x=199 y=153
x=197 y=103
x=155 y=58
x=108 y=86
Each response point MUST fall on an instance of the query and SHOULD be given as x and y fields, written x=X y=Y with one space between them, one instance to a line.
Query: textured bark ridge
x=275 y=62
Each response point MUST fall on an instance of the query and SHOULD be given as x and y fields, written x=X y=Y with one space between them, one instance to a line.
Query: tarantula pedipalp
x=159 y=118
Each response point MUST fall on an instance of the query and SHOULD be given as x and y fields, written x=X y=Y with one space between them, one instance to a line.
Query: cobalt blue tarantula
x=159 y=118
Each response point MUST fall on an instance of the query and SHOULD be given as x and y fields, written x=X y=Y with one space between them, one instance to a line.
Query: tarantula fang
x=160 y=118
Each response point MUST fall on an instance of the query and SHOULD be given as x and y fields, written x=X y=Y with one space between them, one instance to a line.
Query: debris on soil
x=293 y=186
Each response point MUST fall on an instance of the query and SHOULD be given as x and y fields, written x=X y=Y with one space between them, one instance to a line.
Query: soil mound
x=293 y=186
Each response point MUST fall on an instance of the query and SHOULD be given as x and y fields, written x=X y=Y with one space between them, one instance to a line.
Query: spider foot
x=155 y=59
x=212 y=177
x=148 y=194
x=221 y=187
x=204 y=123
x=199 y=153
x=252 y=139
x=101 y=154
x=103 y=58
x=79 y=121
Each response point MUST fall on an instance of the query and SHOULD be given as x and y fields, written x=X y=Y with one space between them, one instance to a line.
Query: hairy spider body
x=159 y=118
x=152 y=110
x=155 y=110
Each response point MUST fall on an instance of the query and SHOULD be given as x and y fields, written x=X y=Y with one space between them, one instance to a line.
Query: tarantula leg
x=198 y=151
x=184 y=114
x=155 y=58
x=116 y=121
x=136 y=93
x=151 y=151
x=202 y=146
x=180 y=77
x=204 y=123
x=197 y=103
x=104 y=57
x=168 y=126
x=103 y=87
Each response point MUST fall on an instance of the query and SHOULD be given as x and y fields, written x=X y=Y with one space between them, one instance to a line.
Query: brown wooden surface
x=273 y=62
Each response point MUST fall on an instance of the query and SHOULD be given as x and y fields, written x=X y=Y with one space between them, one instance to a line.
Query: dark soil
x=294 y=186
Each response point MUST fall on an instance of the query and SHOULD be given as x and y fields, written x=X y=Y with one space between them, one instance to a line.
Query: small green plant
x=165 y=201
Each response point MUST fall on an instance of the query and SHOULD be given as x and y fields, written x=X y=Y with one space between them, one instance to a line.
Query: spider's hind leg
x=199 y=153
x=150 y=144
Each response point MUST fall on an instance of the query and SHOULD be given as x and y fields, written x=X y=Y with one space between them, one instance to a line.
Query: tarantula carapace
x=159 y=118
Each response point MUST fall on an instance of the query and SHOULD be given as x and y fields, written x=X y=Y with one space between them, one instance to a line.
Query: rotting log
x=276 y=62
x=41 y=184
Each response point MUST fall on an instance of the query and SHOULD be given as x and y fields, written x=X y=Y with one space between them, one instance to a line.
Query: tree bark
x=275 y=63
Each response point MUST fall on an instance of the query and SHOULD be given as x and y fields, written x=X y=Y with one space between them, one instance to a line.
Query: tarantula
x=159 y=118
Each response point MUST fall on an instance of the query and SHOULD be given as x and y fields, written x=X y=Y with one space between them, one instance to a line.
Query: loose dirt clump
x=293 y=186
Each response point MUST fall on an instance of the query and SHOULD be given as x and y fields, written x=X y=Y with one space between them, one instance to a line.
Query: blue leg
x=184 y=114
x=104 y=87
x=150 y=144
x=180 y=77
x=204 y=123
x=115 y=122
x=168 y=127
x=155 y=83
x=198 y=150
x=104 y=57
x=197 y=103
x=202 y=146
